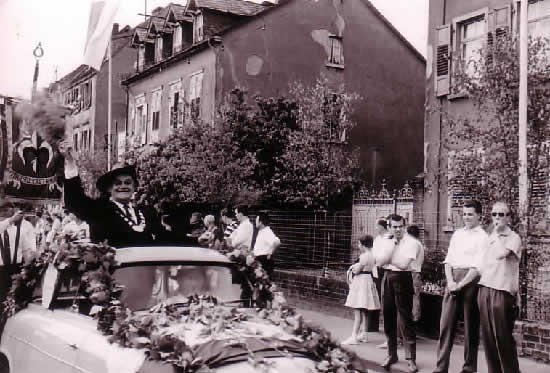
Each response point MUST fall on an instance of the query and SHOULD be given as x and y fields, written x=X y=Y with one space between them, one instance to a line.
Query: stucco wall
x=289 y=43
x=204 y=60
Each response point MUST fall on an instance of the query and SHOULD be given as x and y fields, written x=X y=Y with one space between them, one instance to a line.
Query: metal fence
x=319 y=246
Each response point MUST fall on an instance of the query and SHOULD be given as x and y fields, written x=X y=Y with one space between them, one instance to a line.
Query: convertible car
x=61 y=337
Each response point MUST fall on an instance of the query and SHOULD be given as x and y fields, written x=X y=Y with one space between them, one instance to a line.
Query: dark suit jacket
x=106 y=223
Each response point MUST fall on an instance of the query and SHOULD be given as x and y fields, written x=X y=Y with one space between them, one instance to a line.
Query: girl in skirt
x=362 y=296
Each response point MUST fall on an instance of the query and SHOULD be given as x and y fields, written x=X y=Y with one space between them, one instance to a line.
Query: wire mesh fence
x=317 y=247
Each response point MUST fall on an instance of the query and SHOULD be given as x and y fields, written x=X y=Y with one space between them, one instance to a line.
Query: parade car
x=62 y=338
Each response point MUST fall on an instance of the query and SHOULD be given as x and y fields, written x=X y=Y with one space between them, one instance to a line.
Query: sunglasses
x=499 y=214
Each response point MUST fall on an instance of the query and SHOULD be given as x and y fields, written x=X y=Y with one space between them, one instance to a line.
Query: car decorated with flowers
x=89 y=308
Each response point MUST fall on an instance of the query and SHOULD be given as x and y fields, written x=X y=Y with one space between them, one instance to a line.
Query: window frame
x=336 y=43
x=198 y=27
x=458 y=24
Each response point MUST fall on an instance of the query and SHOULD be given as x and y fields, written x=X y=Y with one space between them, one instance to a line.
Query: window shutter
x=181 y=107
x=144 y=124
x=499 y=24
x=443 y=60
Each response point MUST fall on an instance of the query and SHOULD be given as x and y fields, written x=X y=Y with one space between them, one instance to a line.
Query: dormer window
x=177 y=39
x=158 y=49
x=198 y=28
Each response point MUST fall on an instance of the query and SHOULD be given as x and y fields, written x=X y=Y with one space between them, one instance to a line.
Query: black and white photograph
x=275 y=186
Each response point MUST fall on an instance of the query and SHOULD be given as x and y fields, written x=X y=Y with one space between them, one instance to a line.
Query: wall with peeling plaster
x=290 y=43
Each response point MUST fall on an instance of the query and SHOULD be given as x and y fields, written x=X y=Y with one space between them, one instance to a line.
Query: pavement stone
x=426 y=349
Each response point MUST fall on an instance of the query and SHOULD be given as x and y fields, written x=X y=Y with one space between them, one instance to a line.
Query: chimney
x=115 y=29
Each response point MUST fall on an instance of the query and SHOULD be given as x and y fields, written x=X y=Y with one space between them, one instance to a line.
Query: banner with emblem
x=33 y=164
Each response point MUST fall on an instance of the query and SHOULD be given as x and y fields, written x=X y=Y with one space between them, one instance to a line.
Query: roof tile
x=237 y=7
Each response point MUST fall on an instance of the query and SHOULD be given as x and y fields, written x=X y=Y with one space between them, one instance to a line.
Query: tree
x=277 y=152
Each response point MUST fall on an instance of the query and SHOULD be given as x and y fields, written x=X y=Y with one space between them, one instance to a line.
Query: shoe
x=350 y=341
x=383 y=345
x=363 y=337
x=388 y=362
x=412 y=366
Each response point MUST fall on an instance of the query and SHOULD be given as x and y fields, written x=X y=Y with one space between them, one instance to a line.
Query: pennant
x=100 y=27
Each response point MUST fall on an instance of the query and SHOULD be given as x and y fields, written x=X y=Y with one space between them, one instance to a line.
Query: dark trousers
x=267 y=264
x=498 y=312
x=397 y=295
x=462 y=302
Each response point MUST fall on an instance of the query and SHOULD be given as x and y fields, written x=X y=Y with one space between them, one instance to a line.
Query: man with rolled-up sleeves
x=461 y=292
x=498 y=289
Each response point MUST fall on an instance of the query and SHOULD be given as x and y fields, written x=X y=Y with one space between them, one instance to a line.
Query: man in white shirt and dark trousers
x=17 y=242
x=398 y=292
x=266 y=243
x=461 y=292
x=241 y=238
x=498 y=288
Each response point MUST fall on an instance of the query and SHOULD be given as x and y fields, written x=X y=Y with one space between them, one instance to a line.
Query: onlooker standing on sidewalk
x=383 y=243
x=362 y=295
x=266 y=243
x=498 y=288
x=416 y=266
x=461 y=293
x=397 y=293
x=241 y=238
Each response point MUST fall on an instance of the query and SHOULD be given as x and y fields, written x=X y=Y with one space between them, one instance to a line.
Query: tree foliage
x=484 y=141
x=277 y=152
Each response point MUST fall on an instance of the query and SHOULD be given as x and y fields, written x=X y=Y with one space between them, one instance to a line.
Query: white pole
x=523 y=60
x=109 y=105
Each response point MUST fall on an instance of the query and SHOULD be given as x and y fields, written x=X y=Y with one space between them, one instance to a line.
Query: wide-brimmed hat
x=106 y=180
x=196 y=218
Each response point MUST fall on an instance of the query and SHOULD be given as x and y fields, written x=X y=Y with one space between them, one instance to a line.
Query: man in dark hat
x=115 y=216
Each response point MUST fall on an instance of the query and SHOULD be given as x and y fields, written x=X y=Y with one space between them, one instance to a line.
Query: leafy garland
x=153 y=331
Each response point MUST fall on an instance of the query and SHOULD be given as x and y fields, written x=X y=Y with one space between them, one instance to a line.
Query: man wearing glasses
x=397 y=294
x=461 y=293
x=498 y=288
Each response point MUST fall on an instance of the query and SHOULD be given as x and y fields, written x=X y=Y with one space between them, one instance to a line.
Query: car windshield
x=148 y=285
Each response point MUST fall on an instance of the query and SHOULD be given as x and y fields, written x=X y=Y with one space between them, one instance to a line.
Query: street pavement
x=426 y=349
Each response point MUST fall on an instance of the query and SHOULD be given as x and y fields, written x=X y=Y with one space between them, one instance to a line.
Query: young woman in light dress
x=362 y=296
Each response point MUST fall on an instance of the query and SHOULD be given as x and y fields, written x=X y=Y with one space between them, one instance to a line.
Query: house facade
x=190 y=57
x=457 y=31
x=84 y=91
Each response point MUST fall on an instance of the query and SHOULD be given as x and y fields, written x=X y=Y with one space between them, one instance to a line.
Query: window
x=472 y=34
x=140 y=119
x=198 y=28
x=156 y=98
x=177 y=39
x=332 y=116
x=141 y=57
x=176 y=104
x=336 y=56
x=75 y=140
x=195 y=92
x=538 y=16
x=158 y=49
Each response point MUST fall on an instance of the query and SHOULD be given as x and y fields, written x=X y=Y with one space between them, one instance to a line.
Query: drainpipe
x=438 y=208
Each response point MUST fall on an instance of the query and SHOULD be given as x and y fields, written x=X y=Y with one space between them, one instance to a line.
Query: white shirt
x=501 y=273
x=405 y=249
x=465 y=245
x=27 y=239
x=242 y=236
x=382 y=246
x=266 y=242
x=416 y=264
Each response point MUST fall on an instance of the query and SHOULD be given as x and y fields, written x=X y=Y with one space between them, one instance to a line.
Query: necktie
x=7 y=247
x=129 y=212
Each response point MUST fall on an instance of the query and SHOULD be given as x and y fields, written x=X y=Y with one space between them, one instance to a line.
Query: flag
x=100 y=25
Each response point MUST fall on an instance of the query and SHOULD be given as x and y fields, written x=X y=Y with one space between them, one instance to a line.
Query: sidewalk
x=426 y=349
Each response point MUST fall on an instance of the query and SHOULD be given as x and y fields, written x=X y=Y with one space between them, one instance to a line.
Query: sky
x=61 y=27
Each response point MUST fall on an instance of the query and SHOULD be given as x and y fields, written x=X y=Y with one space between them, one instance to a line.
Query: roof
x=169 y=254
x=75 y=75
x=236 y=7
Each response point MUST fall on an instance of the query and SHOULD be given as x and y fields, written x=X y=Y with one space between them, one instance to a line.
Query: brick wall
x=533 y=340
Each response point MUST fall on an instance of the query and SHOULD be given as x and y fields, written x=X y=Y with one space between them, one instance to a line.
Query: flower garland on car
x=156 y=330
